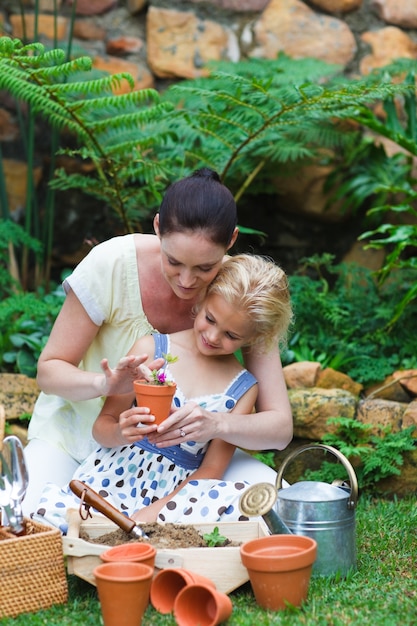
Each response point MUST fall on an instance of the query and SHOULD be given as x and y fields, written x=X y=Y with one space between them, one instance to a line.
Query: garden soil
x=161 y=536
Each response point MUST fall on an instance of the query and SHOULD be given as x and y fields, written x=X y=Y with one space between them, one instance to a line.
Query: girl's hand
x=196 y=423
x=136 y=423
x=148 y=514
x=120 y=379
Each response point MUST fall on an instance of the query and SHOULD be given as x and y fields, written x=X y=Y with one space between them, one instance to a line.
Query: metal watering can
x=325 y=512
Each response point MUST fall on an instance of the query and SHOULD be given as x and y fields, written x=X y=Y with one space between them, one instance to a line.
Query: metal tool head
x=6 y=500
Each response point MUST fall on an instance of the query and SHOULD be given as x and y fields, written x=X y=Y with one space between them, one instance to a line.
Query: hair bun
x=206 y=172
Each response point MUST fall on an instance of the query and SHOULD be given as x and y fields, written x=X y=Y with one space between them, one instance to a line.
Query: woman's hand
x=120 y=379
x=196 y=423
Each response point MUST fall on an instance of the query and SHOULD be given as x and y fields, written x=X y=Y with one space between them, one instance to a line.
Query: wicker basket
x=32 y=571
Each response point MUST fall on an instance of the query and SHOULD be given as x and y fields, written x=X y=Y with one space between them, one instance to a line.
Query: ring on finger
x=182 y=432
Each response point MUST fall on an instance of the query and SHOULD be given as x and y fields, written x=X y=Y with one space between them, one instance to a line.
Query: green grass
x=382 y=592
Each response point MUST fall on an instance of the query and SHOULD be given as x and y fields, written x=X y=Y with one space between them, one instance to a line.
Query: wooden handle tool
x=91 y=498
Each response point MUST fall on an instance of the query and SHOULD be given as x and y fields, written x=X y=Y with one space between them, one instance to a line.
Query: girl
x=246 y=305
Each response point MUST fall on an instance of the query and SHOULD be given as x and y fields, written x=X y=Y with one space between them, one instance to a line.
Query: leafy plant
x=214 y=538
x=266 y=457
x=341 y=315
x=38 y=219
x=115 y=134
x=385 y=186
x=12 y=237
x=158 y=377
x=26 y=321
x=241 y=120
x=374 y=457
x=244 y=119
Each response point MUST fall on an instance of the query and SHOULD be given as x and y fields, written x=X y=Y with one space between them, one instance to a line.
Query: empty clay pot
x=157 y=397
x=133 y=552
x=279 y=568
x=203 y=605
x=169 y=582
x=123 y=590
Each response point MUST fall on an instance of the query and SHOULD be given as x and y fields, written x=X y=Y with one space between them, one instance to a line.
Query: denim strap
x=174 y=453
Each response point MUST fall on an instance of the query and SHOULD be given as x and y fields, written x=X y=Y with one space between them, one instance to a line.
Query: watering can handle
x=348 y=467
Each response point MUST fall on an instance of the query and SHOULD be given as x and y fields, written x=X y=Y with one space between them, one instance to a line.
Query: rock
x=389 y=389
x=18 y=394
x=113 y=65
x=290 y=26
x=46 y=26
x=410 y=416
x=337 y=6
x=180 y=44
x=236 y=5
x=88 y=30
x=124 y=45
x=49 y=6
x=408 y=380
x=387 y=45
x=301 y=374
x=405 y=483
x=309 y=183
x=15 y=173
x=93 y=7
x=381 y=413
x=400 y=13
x=9 y=129
x=18 y=431
x=359 y=254
x=312 y=408
x=2 y=423
x=135 y=6
x=332 y=379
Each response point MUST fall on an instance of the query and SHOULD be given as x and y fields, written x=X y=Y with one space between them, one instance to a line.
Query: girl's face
x=190 y=261
x=219 y=328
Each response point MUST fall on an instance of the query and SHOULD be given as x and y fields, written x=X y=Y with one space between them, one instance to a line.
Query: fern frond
x=121 y=102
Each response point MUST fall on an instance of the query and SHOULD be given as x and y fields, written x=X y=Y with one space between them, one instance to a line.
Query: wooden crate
x=222 y=565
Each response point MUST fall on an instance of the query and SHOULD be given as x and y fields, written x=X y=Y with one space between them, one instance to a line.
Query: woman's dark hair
x=199 y=202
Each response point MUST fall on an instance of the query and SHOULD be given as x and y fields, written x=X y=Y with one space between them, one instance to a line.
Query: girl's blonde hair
x=258 y=286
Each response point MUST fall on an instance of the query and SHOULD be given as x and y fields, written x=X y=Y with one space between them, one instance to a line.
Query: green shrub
x=374 y=457
x=342 y=320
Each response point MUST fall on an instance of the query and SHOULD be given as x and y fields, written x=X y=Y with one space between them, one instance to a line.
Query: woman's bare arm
x=70 y=338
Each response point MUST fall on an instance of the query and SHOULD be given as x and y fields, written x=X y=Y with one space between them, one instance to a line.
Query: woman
x=247 y=304
x=124 y=289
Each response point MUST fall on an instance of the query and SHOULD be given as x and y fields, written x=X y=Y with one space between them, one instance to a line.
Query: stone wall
x=161 y=39
x=315 y=395
x=160 y=42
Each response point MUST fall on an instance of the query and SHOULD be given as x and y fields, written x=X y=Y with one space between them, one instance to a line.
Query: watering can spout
x=259 y=499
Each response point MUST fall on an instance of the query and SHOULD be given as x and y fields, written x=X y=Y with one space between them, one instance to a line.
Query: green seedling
x=214 y=538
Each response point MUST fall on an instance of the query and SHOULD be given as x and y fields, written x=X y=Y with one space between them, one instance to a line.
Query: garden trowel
x=89 y=497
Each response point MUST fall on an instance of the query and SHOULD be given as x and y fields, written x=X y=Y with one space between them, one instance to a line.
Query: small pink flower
x=161 y=377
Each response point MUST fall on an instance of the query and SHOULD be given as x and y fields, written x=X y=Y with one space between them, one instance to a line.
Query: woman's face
x=220 y=328
x=189 y=262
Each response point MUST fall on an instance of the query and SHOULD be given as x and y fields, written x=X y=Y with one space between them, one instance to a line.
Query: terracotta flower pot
x=123 y=591
x=168 y=583
x=132 y=552
x=157 y=397
x=203 y=605
x=279 y=568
